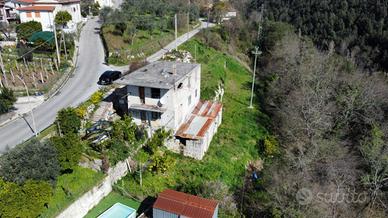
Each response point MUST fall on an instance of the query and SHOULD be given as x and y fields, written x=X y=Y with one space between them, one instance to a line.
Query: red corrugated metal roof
x=184 y=204
x=205 y=109
x=37 y=8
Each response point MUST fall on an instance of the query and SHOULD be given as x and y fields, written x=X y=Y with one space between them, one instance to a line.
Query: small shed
x=174 y=204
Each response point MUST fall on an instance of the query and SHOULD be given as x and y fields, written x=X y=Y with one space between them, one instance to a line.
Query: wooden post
x=51 y=67
x=33 y=79
x=3 y=69
x=13 y=77
x=17 y=65
x=56 y=64
x=46 y=73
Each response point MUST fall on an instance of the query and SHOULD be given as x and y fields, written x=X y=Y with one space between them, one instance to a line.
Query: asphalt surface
x=78 y=88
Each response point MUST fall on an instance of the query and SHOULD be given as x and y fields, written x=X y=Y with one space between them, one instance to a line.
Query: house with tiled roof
x=167 y=95
x=173 y=204
x=44 y=11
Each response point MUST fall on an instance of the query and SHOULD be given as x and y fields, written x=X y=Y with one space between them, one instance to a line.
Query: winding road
x=80 y=86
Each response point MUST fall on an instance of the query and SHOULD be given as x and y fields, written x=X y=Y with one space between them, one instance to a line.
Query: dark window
x=155 y=93
x=155 y=115
x=141 y=95
x=180 y=85
x=189 y=100
x=196 y=93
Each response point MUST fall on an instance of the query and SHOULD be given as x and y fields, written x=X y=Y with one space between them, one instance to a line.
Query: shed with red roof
x=171 y=204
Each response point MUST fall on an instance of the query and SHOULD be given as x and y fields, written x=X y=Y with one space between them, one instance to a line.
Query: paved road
x=77 y=89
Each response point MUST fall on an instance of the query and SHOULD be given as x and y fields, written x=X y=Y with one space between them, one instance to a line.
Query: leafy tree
x=117 y=150
x=125 y=129
x=69 y=149
x=35 y=160
x=68 y=121
x=7 y=98
x=26 y=200
x=157 y=140
x=62 y=17
x=161 y=162
x=27 y=29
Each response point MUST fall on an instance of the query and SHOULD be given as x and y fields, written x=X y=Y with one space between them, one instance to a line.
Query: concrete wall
x=91 y=198
x=197 y=148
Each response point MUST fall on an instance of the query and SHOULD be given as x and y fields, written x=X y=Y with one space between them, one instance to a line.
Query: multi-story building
x=44 y=11
x=167 y=95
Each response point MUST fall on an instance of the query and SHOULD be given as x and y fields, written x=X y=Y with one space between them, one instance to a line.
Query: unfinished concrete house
x=167 y=94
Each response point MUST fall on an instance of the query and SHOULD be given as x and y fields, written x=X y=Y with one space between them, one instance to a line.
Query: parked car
x=108 y=77
x=99 y=126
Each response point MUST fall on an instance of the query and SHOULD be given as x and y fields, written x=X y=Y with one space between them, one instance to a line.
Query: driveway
x=77 y=89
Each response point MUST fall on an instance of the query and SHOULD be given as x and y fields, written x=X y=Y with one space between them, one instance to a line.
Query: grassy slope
x=236 y=140
x=143 y=43
x=108 y=201
x=75 y=184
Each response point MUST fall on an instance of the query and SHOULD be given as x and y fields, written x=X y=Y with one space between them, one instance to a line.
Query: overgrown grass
x=109 y=201
x=144 y=44
x=234 y=144
x=69 y=187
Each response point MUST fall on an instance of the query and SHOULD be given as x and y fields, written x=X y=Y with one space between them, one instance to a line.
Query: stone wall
x=90 y=199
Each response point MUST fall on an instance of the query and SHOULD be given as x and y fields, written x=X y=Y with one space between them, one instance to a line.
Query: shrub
x=117 y=151
x=68 y=121
x=25 y=30
x=69 y=149
x=7 y=98
x=271 y=146
x=97 y=97
x=27 y=200
x=34 y=160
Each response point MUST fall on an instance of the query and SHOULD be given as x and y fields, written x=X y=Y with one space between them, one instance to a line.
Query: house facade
x=44 y=11
x=167 y=95
x=173 y=204
x=7 y=11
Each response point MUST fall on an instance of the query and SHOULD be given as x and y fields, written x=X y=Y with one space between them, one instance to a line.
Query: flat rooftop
x=200 y=120
x=160 y=74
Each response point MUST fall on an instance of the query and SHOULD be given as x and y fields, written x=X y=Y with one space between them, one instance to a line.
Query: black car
x=108 y=77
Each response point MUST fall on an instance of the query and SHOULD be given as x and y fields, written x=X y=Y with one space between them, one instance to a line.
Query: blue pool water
x=119 y=210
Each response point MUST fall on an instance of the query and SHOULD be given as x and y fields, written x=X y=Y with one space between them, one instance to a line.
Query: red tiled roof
x=184 y=204
x=36 y=8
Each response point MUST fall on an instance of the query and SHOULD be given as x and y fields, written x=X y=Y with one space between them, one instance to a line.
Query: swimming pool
x=119 y=210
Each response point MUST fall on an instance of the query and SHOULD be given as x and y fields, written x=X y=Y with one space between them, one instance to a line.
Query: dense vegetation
x=330 y=121
x=140 y=28
x=358 y=29
x=7 y=99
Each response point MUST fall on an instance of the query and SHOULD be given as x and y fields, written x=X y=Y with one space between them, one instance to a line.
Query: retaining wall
x=90 y=199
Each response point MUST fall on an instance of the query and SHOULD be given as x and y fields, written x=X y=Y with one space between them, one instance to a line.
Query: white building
x=44 y=11
x=167 y=94
x=109 y=3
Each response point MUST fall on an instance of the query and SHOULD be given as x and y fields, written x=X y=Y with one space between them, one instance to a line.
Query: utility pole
x=256 y=53
x=176 y=31
x=32 y=113
x=64 y=43
x=188 y=20
x=56 y=44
